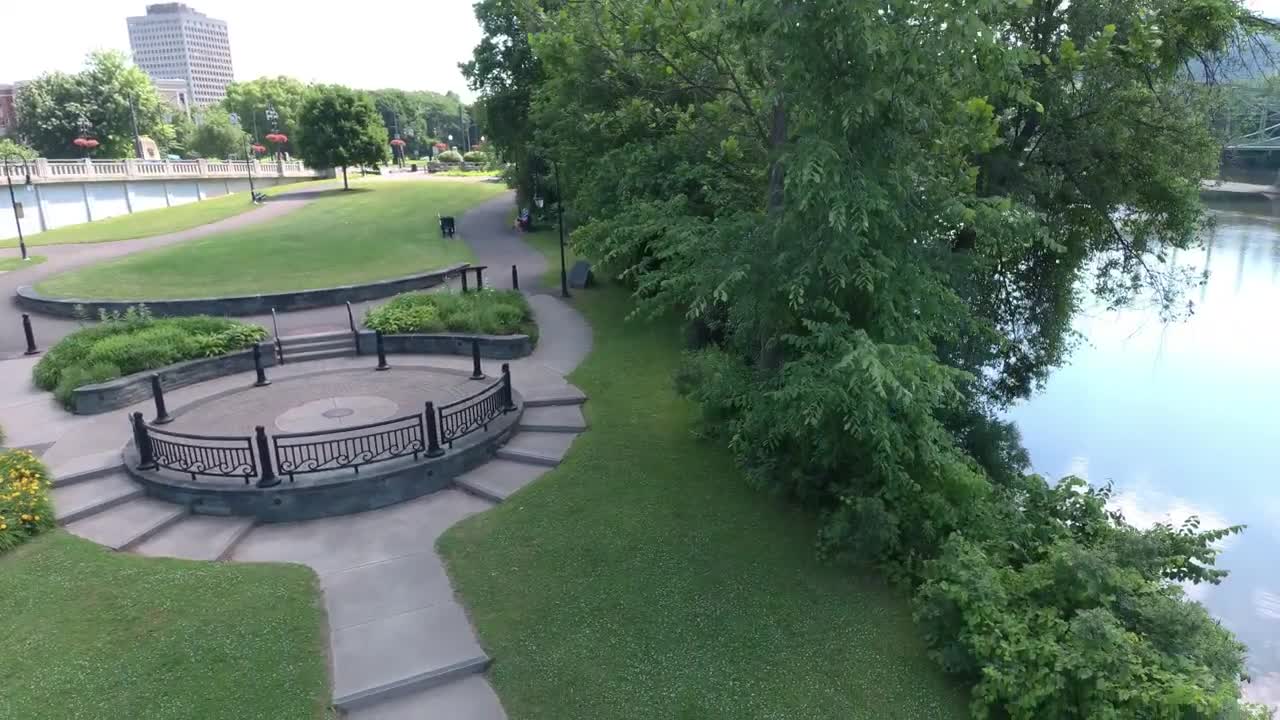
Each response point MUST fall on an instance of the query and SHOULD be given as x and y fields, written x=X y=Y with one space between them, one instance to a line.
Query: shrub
x=123 y=344
x=449 y=156
x=489 y=312
x=476 y=156
x=25 y=508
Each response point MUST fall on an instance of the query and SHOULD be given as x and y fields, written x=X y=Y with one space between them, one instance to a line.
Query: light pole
x=539 y=201
x=13 y=201
x=253 y=195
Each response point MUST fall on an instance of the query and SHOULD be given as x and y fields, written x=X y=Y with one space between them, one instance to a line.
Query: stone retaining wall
x=31 y=300
x=495 y=347
x=127 y=390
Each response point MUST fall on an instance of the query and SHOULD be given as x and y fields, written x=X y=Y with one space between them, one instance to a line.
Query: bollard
x=257 y=365
x=508 y=399
x=464 y=280
x=31 y=336
x=433 y=433
x=146 y=452
x=479 y=278
x=157 y=393
x=382 y=353
x=269 y=478
x=515 y=278
x=476 y=373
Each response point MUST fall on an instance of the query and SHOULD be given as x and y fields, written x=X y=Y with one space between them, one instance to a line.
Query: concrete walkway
x=401 y=645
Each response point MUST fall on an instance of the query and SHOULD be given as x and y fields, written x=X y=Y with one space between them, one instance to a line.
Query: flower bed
x=133 y=342
x=25 y=508
x=485 y=312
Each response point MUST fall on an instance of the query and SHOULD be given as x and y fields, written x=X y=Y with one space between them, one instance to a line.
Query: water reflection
x=1182 y=418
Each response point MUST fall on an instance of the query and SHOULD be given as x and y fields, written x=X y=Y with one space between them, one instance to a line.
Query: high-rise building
x=174 y=41
x=8 y=112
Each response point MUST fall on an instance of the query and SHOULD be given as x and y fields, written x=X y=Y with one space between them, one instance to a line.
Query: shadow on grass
x=316 y=194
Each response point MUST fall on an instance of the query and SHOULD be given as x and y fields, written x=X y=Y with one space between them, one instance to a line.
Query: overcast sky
x=409 y=44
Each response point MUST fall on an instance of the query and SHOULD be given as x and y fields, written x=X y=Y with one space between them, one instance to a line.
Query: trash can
x=446 y=226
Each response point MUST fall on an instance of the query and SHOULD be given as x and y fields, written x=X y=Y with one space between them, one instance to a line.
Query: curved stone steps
x=127 y=524
x=90 y=496
x=197 y=537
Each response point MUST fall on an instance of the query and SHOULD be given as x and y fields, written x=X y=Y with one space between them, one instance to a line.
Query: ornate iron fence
x=299 y=453
x=465 y=416
x=212 y=455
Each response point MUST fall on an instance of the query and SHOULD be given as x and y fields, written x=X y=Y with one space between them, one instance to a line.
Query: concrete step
x=291 y=356
x=82 y=499
x=498 y=479
x=86 y=467
x=553 y=418
x=197 y=537
x=549 y=395
x=465 y=698
x=125 y=525
x=320 y=338
x=537 y=448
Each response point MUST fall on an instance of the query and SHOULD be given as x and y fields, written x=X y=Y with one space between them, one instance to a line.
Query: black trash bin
x=446 y=226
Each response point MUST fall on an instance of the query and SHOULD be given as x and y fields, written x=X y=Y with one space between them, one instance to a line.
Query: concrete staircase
x=317 y=346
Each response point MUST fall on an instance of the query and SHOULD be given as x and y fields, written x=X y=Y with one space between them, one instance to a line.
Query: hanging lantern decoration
x=442 y=146
x=277 y=138
x=398 y=142
x=85 y=143
x=258 y=149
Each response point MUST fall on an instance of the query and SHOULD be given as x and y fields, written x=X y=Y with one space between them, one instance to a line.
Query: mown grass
x=373 y=232
x=156 y=222
x=90 y=634
x=643 y=578
x=546 y=240
x=17 y=263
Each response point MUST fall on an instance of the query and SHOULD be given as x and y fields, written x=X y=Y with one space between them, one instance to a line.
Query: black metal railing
x=212 y=455
x=465 y=416
x=299 y=453
x=293 y=454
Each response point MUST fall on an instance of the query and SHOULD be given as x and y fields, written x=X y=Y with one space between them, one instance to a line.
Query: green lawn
x=154 y=222
x=547 y=241
x=17 y=263
x=376 y=231
x=90 y=634
x=644 y=579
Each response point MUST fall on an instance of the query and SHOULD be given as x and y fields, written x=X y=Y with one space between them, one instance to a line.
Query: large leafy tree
x=422 y=117
x=340 y=127
x=217 y=137
x=251 y=101
x=53 y=109
x=878 y=218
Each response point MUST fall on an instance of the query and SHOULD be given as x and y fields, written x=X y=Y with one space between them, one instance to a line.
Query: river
x=1184 y=418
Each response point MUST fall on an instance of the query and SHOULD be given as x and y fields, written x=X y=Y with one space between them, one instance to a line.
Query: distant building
x=8 y=112
x=174 y=92
x=173 y=41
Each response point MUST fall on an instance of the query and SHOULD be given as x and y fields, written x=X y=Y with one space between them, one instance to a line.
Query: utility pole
x=466 y=129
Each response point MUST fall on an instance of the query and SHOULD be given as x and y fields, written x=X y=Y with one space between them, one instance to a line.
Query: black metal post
x=515 y=278
x=564 y=273
x=157 y=393
x=142 y=439
x=269 y=478
x=382 y=353
x=476 y=372
x=508 y=399
x=464 y=280
x=31 y=336
x=257 y=365
x=13 y=202
x=433 y=433
x=479 y=278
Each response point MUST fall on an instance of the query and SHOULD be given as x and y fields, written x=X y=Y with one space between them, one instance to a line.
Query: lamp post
x=235 y=120
x=540 y=201
x=13 y=201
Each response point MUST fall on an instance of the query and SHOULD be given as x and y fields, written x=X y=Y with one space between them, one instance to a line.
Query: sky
x=370 y=44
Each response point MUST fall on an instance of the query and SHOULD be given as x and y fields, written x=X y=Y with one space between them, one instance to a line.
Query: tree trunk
x=345 y=186
x=777 y=138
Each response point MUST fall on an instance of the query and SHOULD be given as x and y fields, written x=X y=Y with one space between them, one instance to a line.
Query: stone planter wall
x=127 y=390
x=495 y=347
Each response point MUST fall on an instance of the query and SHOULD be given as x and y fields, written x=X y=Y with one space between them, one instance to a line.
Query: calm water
x=1184 y=418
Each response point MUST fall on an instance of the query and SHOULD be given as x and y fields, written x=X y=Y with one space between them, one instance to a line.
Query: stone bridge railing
x=43 y=171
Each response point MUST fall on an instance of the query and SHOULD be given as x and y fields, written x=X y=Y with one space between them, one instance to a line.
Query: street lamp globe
x=538 y=200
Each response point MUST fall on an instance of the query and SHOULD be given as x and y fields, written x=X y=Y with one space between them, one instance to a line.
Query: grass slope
x=377 y=231
x=644 y=579
x=17 y=263
x=154 y=222
x=90 y=634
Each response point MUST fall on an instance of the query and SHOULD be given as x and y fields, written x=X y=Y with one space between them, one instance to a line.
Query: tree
x=217 y=137
x=877 y=218
x=422 y=116
x=184 y=132
x=11 y=149
x=56 y=108
x=339 y=127
x=250 y=100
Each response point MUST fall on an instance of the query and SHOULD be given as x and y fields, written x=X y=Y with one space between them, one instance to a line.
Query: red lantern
x=277 y=138
x=398 y=142
x=442 y=146
x=86 y=143
x=259 y=149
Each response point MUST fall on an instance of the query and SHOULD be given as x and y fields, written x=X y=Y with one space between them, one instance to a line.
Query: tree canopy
x=56 y=108
x=340 y=127
x=217 y=137
x=251 y=101
x=423 y=118
x=879 y=219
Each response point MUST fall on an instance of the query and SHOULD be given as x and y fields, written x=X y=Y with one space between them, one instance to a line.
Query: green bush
x=488 y=312
x=25 y=508
x=123 y=344
x=449 y=156
x=476 y=156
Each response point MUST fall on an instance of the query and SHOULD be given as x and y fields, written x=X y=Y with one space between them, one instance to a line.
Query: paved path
x=401 y=646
